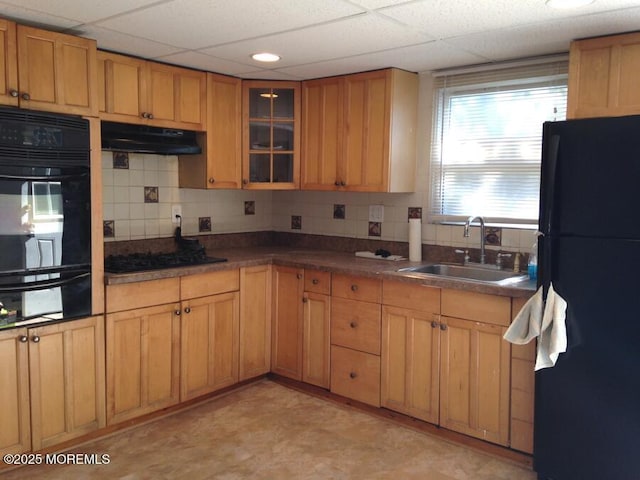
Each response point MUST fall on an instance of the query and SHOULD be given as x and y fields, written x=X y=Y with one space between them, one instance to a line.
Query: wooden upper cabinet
x=604 y=74
x=220 y=163
x=8 y=64
x=139 y=91
x=57 y=72
x=360 y=132
x=322 y=125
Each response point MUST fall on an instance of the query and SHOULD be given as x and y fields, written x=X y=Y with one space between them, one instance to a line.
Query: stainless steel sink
x=477 y=274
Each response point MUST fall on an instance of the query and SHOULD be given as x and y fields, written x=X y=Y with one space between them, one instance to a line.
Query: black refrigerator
x=587 y=407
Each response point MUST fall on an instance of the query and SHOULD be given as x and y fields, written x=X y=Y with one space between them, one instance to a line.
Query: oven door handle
x=43 y=178
x=41 y=284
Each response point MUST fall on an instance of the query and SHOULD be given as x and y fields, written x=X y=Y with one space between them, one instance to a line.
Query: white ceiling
x=318 y=38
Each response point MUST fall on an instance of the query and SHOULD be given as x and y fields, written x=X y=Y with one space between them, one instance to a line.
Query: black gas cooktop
x=137 y=262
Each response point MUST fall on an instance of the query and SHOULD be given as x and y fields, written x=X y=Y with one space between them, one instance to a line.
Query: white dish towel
x=545 y=320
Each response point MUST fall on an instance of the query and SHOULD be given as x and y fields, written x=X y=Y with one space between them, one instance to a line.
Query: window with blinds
x=487 y=138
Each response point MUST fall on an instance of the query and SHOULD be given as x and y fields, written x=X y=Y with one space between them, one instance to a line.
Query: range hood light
x=265 y=57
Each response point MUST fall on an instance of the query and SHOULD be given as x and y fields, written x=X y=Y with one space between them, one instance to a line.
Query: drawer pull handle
x=315 y=281
x=354 y=288
x=353 y=375
x=353 y=324
x=443 y=326
x=434 y=324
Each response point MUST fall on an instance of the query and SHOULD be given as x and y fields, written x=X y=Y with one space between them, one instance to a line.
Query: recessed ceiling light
x=265 y=57
x=566 y=4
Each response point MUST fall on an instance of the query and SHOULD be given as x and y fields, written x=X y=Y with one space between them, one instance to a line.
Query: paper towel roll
x=415 y=240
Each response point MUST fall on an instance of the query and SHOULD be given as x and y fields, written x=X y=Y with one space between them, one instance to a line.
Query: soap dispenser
x=533 y=262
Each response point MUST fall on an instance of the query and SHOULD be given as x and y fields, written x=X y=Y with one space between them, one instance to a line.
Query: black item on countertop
x=383 y=253
x=587 y=407
x=136 y=262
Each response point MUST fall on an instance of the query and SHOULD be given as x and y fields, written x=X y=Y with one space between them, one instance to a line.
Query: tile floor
x=268 y=431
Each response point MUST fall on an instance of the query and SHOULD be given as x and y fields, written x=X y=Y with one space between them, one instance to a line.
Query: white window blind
x=487 y=138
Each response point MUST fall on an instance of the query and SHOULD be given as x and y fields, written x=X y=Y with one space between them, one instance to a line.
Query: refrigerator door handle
x=548 y=194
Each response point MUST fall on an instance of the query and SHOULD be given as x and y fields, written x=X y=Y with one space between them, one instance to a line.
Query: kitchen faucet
x=482 y=233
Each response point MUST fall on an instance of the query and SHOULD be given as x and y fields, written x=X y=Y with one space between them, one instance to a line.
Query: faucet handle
x=466 y=255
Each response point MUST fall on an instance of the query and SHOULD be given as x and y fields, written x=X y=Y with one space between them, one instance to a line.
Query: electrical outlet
x=376 y=213
x=176 y=210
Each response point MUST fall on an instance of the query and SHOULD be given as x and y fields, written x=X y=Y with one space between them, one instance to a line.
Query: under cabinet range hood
x=123 y=137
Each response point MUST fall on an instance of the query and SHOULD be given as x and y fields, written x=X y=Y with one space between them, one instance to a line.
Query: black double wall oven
x=45 y=217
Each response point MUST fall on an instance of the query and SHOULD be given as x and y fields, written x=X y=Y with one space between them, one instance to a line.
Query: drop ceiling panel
x=454 y=18
x=83 y=12
x=119 y=42
x=206 y=62
x=416 y=58
x=44 y=20
x=548 y=37
x=353 y=36
x=196 y=24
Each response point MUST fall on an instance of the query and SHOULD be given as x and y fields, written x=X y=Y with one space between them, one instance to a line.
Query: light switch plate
x=176 y=210
x=376 y=213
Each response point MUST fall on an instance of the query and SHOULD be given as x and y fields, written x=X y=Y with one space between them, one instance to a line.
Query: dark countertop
x=336 y=262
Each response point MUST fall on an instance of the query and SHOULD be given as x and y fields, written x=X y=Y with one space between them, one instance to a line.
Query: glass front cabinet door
x=271 y=142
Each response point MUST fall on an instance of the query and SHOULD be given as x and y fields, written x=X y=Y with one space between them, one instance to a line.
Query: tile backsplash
x=138 y=203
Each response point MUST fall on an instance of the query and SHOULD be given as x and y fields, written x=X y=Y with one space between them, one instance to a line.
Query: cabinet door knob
x=13 y=93
x=443 y=326
x=177 y=312
x=26 y=96
x=353 y=375
x=35 y=339
x=434 y=324
x=245 y=181
x=343 y=184
x=23 y=339
x=211 y=180
x=305 y=299
x=187 y=310
x=337 y=183
x=150 y=116
x=354 y=288
x=353 y=324
x=144 y=115
x=299 y=276
x=315 y=281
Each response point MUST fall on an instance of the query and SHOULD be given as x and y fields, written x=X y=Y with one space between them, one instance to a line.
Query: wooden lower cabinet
x=209 y=344
x=474 y=382
x=55 y=375
x=411 y=362
x=316 y=339
x=143 y=359
x=355 y=374
x=287 y=328
x=255 y=321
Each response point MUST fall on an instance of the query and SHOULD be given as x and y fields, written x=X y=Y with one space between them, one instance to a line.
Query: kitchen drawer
x=209 y=283
x=317 y=281
x=413 y=296
x=128 y=296
x=478 y=307
x=355 y=375
x=356 y=324
x=356 y=288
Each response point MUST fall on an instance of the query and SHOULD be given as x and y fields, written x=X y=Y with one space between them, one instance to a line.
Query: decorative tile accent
x=150 y=194
x=204 y=224
x=493 y=236
x=375 y=229
x=108 y=229
x=121 y=160
x=296 y=222
x=415 y=212
x=250 y=207
x=339 y=212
